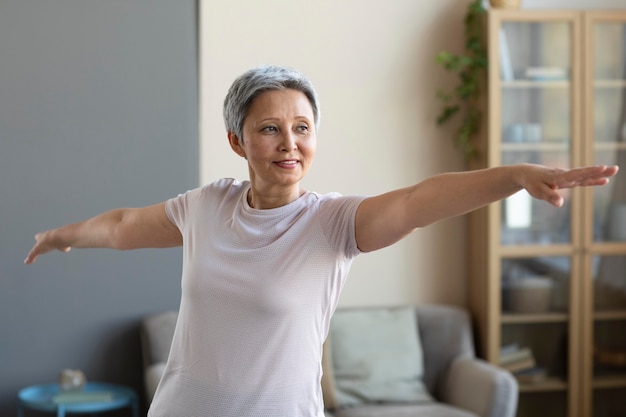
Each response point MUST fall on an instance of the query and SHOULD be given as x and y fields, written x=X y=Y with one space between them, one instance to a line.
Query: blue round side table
x=95 y=398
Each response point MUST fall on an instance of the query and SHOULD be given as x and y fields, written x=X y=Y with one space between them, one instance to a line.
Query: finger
x=611 y=170
x=594 y=182
x=605 y=176
x=546 y=192
x=35 y=252
x=554 y=198
x=30 y=258
x=586 y=176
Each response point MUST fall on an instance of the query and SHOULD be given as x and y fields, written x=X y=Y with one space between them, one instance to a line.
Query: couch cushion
x=420 y=410
x=376 y=356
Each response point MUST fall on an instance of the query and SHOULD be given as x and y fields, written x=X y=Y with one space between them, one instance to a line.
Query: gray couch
x=462 y=385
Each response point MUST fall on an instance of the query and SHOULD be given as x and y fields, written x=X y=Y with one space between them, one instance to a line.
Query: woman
x=264 y=261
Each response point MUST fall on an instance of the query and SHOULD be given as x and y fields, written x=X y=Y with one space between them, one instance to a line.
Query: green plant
x=470 y=66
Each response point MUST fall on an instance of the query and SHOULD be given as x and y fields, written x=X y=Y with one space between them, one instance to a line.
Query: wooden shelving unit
x=575 y=119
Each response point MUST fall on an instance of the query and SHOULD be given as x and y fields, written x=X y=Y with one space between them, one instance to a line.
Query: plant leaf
x=446 y=113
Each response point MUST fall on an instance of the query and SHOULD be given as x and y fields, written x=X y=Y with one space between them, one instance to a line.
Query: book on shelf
x=520 y=365
x=508 y=349
x=514 y=358
x=531 y=375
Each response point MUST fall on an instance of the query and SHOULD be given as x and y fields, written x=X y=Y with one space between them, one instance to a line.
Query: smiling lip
x=288 y=163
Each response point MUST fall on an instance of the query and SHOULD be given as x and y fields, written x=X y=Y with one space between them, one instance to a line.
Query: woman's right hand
x=122 y=229
x=44 y=243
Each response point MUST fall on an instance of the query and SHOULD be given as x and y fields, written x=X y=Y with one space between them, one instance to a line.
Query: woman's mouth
x=288 y=164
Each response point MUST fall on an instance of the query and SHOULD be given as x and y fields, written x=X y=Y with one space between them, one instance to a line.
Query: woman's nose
x=289 y=141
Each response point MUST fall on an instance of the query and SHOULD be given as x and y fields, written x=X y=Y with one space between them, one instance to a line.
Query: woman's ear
x=235 y=144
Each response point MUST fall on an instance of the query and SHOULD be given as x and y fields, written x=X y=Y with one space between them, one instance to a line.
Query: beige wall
x=373 y=66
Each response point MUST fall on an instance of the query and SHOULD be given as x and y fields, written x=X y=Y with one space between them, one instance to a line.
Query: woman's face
x=279 y=138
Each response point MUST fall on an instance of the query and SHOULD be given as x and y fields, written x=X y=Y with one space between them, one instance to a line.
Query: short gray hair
x=258 y=80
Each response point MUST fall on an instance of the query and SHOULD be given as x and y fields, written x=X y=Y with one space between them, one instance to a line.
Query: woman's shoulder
x=334 y=197
x=216 y=190
x=225 y=185
x=222 y=186
x=332 y=203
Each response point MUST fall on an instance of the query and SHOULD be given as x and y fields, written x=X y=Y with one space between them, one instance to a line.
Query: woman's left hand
x=542 y=182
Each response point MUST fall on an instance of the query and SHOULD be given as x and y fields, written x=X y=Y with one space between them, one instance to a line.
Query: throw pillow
x=377 y=356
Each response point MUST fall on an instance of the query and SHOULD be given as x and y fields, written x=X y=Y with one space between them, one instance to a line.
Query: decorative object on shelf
x=523 y=133
x=610 y=357
x=471 y=67
x=506 y=4
x=528 y=295
x=545 y=73
x=72 y=380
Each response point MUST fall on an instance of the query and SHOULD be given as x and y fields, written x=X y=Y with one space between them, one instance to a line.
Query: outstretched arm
x=128 y=228
x=387 y=218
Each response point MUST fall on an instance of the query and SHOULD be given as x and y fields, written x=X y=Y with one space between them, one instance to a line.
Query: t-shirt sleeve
x=183 y=208
x=338 y=221
x=178 y=209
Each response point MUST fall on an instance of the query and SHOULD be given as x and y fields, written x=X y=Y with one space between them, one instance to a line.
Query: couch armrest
x=152 y=377
x=480 y=387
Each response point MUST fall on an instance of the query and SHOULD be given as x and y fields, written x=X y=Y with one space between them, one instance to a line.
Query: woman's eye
x=303 y=128
x=270 y=129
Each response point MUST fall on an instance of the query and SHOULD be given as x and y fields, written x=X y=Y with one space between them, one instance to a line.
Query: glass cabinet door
x=534 y=86
x=536 y=114
x=607 y=353
x=606 y=231
x=557 y=96
x=609 y=126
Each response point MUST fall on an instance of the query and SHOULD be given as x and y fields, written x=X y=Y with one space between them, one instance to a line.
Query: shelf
x=515 y=318
x=609 y=146
x=609 y=315
x=609 y=83
x=533 y=250
x=523 y=84
x=609 y=381
x=560 y=146
x=607 y=248
x=549 y=384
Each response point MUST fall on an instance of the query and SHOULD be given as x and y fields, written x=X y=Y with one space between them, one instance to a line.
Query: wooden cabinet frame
x=485 y=249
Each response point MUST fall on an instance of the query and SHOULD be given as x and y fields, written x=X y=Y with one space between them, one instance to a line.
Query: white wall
x=373 y=65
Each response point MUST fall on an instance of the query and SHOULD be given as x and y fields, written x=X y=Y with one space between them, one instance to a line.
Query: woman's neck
x=269 y=200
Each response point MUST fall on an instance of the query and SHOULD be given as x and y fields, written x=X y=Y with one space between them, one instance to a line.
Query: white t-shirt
x=258 y=290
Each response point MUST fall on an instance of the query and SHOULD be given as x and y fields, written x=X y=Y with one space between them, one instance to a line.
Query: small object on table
x=95 y=398
x=72 y=380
